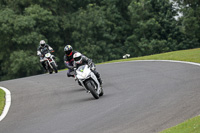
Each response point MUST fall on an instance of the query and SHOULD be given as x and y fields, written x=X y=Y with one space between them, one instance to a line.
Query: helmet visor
x=68 y=52
x=77 y=58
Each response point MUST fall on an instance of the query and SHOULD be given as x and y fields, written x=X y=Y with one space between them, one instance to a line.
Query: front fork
x=82 y=83
x=98 y=89
x=48 y=63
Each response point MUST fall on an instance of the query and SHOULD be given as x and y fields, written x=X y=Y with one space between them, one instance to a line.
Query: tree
x=92 y=33
x=23 y=32
x=21 y=64
x=190 y=22
x=100 y=29
x=153 y=25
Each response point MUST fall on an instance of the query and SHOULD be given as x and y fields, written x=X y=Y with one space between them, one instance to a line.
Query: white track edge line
x=175 y=61
x=7 y=103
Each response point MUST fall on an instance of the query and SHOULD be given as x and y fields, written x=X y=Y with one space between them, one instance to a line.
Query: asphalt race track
x=140 y=97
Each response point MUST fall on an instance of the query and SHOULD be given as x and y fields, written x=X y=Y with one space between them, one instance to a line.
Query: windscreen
x=81 y=68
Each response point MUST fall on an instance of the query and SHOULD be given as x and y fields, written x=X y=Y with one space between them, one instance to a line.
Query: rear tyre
x=91 y=87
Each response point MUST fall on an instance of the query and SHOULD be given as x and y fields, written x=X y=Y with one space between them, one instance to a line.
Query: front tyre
x=91 y=87
x=49 y=69
x=54 y=67
x=101 y=94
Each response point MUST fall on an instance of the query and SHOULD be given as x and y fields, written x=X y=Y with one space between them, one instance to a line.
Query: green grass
x=2 y=100
x=189 y=126
x=192 y=55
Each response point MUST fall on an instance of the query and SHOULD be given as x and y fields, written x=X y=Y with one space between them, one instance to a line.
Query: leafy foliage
x=21 y=63
x=100 y=29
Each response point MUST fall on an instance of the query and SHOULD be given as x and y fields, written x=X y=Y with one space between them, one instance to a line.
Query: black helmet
x=68 y=50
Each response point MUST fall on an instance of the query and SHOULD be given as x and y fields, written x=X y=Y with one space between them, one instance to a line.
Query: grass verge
x=2 y=100
x=189 y=126
x=191 y=55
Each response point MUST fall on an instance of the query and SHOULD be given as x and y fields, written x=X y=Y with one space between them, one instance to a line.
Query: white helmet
x=42 y=43
x=77 y=58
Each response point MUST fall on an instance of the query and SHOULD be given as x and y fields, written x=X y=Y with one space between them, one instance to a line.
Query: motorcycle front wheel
x=101 y=94
x=50 y=70
x=91 y=87
x=54 y=67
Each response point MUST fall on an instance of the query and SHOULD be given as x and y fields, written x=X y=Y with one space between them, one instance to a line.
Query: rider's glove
x=90 y=64
x=93 y=68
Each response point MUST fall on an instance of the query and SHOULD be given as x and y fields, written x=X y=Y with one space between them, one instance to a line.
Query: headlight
x=84 y=75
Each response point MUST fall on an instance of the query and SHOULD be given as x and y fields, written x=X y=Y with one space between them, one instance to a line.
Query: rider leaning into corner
x=80 y=59
x=69 y=60
x=43 y=47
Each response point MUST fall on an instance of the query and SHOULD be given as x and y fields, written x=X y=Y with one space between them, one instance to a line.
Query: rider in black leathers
x=42 y=50
x=80 y=60
x=69 y=60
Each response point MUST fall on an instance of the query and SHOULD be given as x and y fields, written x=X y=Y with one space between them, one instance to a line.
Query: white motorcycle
x=50 y=63
x=89 y=81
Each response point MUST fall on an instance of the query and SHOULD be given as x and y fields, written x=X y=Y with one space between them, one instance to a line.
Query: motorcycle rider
x=42 y=49
x=69 y=60
x=80 y=60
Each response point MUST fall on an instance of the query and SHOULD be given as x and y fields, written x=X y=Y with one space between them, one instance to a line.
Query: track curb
x=7 y=103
